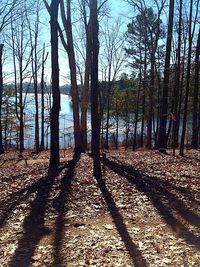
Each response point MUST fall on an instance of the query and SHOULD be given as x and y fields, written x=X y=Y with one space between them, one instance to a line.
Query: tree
x=149 y=26
x=42 y=85
x=164 y=103
x=195 y=130
x=114 y=58
x=85 y=54
x=190 y=37
x=177 y=81
x=1 y=93
x=6 y=12
x=54 y=115
x=34 y=24
x=95 y=118
x=21 y=53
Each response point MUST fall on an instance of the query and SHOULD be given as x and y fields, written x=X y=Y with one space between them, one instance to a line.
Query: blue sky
x=117 y=8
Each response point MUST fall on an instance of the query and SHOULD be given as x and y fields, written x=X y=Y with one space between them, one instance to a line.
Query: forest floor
x=143 y=211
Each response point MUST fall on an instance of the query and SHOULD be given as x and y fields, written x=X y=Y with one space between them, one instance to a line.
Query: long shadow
x=60 y=206
x=132 y=249
x=18 y=197
x=163 y=198
x=15 y=199
x=33 y=225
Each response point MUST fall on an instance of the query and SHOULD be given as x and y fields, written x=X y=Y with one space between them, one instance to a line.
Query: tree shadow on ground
x=163 y=197
x=132 y=248
x=60 y=206
x=16 y=198
x=33 y=225
x=9 y=204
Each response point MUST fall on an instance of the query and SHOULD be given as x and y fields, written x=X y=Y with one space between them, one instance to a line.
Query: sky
x=118 y=8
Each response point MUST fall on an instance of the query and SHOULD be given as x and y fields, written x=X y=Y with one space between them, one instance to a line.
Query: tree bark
x=72 y=65
x=187 y=83
x=164 y=103
x=54 y=116
x=95 y=118
x=85 y=99
x=42 y=100
x=195 y=131
x=1 y=95
x=175 y=135
x=150 y=109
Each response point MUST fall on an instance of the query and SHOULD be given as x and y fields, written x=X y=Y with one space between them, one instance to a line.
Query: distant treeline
x=29 y=88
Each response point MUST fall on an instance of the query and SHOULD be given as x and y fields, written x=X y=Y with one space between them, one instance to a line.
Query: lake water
x=66 y=122
x=66 y=119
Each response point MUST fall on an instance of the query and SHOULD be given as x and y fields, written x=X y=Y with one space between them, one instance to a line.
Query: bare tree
x=95 y=118
x=1 y=93
x=195 y=130
x=164 y=103
x=42 y=85
x=21 y=53
x=177 y=80
x=188 y=74
x=34 y=24
x=54 y=115
x=8 y=7
x=114 y=57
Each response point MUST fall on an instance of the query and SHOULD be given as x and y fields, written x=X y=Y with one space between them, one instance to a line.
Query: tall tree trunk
x=187 y=83
x=181 y=87
x=158 y=107
x=144 y=83
x=37 y=146
x=108 y=114
x=1 y=95
x=150 y=108
x=95 y=118
x=36 y=112
x=164 y=104
x=175 y=134
x=85 y=100
x=21 y=112
x=137 y=107
x=42 y=100
x=42 y=85
x=195 y=131
x=72 y=65
x=54 y=116
x=117 y=132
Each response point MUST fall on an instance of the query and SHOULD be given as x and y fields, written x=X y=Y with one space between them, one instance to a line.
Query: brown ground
x=143 y=211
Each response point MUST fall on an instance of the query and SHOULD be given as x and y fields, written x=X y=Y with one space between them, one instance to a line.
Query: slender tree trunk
x=108 y=116
x=34 y=65
x=72 y=65
x=195 y=131
x=1 y=95
x=150 y=108
x=95 y=118
x=54 y=116
x=21 y=112
x=144 y=83
x=158 y=110
x=36 y=115
x=42 y=100
x=137 y=109
x=164 y=103
x=187 y=83
x=181 y=87
x=175 y=134
x=85 y=100
x=127 y=132
x=117 y=132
